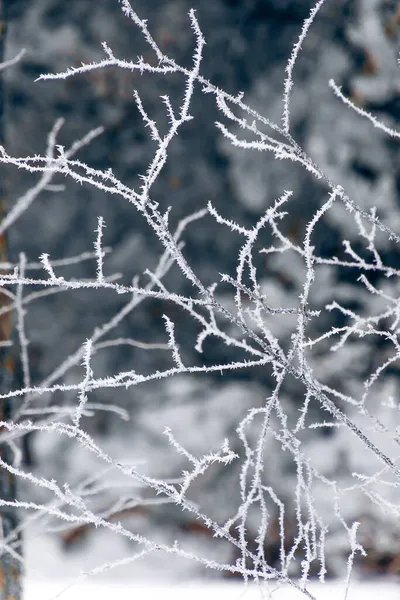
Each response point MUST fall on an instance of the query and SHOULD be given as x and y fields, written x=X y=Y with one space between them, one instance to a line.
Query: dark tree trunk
x=10 y=566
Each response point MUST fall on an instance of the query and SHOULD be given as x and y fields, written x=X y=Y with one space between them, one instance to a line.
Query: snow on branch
x=302 y=341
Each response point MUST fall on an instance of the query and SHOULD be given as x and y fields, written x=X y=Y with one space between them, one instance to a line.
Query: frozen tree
x=10 y=567
x=317 y=342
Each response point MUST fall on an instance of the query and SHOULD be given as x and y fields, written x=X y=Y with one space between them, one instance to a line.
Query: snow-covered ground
x=53 y=574
x=36 y=590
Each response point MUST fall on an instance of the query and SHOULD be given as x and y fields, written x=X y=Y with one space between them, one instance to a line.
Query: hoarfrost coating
x=291 y=310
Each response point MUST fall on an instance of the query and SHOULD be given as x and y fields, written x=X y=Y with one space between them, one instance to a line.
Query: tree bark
x=10 y=566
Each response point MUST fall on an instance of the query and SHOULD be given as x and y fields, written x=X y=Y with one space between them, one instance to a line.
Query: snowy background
x=248 y=43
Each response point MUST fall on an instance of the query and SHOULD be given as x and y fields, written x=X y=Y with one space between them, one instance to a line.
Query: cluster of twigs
x=246 y=326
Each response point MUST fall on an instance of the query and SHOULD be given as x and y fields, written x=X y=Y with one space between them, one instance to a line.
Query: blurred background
x=248 y=44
